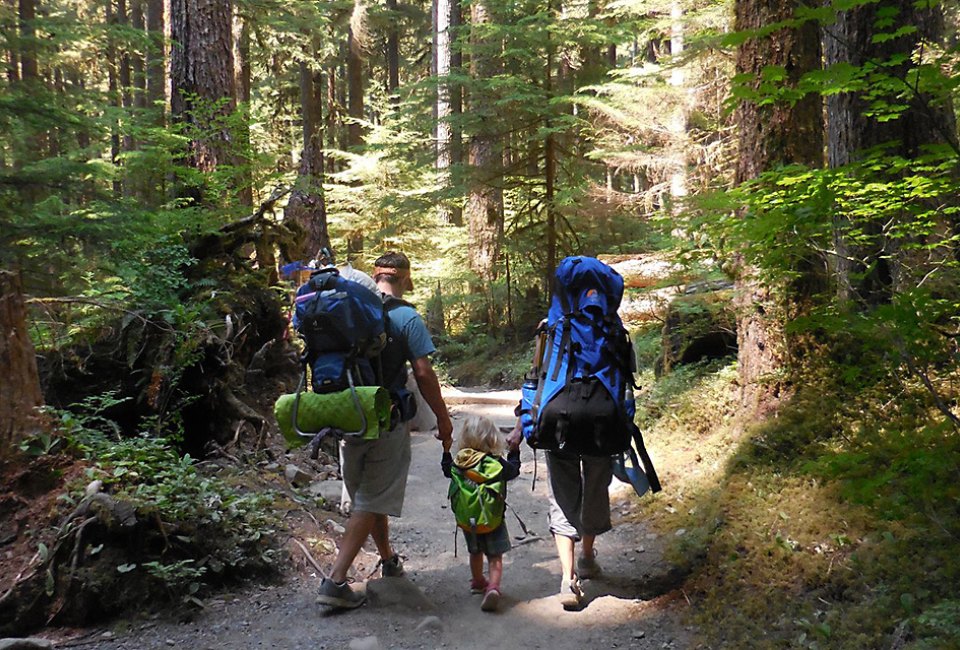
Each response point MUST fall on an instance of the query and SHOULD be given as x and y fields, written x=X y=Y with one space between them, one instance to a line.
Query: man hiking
x=375 y=471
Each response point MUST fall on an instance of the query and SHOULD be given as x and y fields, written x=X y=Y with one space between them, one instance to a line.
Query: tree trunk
x=332 y=119
x=306 y=206
x=124 y=70
x=355 y=77
x=203 y=83
x=241 y=57
x=125 y=77
x=442 y=34
x=20 y=389
x=678 y=122
x=137 y=57
x=484 y=207
x=156 y=60
x=29 y=69
x=771 y=135
x=113 y=85
x=13 y=57
x=153 y=182
x=456 y=110
x=393 y=51
x=868 y=269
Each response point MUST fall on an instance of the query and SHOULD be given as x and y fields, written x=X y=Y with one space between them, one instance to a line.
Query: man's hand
x=515 y=436
x=445 y=433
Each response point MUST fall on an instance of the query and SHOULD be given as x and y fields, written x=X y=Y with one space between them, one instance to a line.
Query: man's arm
x=429 y=387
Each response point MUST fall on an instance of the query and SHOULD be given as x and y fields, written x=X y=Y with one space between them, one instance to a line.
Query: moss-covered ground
x=833 y=525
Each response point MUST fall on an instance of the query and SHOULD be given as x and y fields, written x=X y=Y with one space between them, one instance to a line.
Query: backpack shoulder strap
x=392 y=302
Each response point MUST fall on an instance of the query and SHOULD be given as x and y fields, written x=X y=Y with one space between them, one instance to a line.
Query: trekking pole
x=523 y=526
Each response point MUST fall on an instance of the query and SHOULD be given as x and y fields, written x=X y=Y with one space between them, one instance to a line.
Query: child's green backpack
x=478 y=495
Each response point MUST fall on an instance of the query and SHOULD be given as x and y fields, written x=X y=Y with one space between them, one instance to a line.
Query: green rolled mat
x=334 y=410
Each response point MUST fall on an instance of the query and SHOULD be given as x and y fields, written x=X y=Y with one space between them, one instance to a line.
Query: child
x=479 y=438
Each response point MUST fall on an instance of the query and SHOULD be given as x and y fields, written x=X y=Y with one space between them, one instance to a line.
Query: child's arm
x=446 y=463
x=511 y=466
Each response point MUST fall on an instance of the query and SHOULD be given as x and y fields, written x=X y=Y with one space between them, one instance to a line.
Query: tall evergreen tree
x=870 y=263
x=306 y=206
x=484 y=205
x=771 y=134
x=203 y=78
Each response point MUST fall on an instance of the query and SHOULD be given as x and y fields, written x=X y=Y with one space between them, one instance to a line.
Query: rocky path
x=432 y=607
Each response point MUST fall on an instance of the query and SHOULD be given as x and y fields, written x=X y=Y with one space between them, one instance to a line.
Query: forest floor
x=636 y=603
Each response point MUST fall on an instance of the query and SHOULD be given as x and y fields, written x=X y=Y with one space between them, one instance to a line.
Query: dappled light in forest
x=772 y=185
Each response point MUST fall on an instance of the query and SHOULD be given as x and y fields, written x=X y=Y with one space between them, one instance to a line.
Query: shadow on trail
x=647 y=587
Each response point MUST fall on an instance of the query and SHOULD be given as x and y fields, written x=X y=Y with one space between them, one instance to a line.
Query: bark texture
x=355 y=78
x=20 y=389
x=156 y=55
x=306 y=206
x=442 y=12
x=484 y=206
x=871 y=269
x=203 y=81
x=771 y=135
x=27 y=10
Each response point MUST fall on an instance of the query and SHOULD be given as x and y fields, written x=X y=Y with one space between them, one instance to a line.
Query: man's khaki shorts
x=375 y=471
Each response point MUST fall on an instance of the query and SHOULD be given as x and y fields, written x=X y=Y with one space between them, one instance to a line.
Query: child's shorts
x=496 y=542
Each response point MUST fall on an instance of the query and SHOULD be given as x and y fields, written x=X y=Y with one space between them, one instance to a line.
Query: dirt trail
x=622 y=610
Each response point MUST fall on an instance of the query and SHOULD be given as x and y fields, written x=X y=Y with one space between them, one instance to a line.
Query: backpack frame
x=344 y=328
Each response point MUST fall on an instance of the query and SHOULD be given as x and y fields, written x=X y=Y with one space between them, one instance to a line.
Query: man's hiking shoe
x=392 y=568
x=478 y=586
x=571 y=595
x=339 y=596
x=491 y=600
x=587 y=567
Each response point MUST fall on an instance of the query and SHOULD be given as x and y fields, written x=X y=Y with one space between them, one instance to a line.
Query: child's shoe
x=478 y=586
x=491 y=600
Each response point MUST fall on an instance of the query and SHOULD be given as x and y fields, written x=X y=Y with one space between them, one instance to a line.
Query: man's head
x=393 y=268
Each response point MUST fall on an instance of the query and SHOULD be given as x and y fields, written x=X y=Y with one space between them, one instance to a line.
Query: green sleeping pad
x=337 y=410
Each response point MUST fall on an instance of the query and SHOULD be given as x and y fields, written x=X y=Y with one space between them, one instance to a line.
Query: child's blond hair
x=481 y=433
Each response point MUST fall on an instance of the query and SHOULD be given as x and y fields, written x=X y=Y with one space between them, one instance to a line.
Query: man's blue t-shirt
x=407 y=339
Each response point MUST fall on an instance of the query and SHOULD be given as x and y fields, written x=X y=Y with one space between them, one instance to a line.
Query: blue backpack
x=574 y=399
x=343 y=326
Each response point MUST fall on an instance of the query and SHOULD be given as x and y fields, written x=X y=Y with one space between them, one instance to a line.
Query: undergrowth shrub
x=211 y=530
x=647 y=345
x=474 y=358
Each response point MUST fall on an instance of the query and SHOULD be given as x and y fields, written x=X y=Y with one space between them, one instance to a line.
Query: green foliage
x=40 y=444
x=648 y=346
x=938 y=626
x=223 y=531
x=835 y=524
x=475 y=358
x=676 y=392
